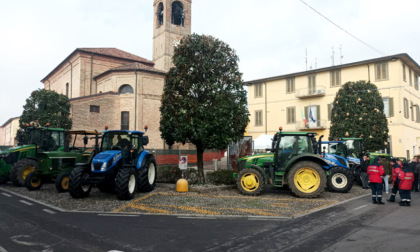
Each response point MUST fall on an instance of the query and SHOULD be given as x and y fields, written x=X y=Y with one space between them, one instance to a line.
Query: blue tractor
x=121 y=166
x=340 y=175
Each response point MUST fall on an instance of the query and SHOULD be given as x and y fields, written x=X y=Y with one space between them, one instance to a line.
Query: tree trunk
x=200 y=151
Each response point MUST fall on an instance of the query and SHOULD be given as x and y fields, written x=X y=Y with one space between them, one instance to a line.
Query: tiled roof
x=114 y=52
x=131 y=67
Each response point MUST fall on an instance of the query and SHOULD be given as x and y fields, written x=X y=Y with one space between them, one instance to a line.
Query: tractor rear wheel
x=62 y=182
x=146 y=176
x=125 y=183
x=77 y=188
x=20 y=170
x=307 y=179
x=33 y=181
x=340 y=180
x=250 y=181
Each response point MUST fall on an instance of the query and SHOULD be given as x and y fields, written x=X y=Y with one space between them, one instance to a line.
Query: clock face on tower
x=176 y=42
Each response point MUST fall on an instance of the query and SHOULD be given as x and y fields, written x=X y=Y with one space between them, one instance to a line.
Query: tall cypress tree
x=358 y=109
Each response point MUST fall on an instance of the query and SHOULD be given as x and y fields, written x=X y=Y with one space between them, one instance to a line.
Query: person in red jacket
x=406 y=178
x=395 y=182
x=375 y=172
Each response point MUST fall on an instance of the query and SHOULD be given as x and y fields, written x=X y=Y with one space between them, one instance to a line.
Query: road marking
x=26 y=202
x=119 y=215
x=360 y=207
x=18 y=240
x=2 y=249
x=48 y=211
x=7 y=195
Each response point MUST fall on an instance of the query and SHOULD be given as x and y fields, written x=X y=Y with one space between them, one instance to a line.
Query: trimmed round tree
x=204 y=101
x=358 y=109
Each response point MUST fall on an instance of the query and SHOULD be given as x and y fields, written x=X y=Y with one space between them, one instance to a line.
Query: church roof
x=132 y=67
x=108 y=52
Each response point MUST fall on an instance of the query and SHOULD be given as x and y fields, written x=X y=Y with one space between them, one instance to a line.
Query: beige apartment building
x=109 y=86
x=286 y=100
x=8 y=132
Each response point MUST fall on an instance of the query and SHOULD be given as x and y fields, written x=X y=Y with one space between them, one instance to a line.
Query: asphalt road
x=356 y=225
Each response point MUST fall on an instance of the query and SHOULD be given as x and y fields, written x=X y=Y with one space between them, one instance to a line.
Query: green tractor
x=292 y=161
x=58 y=164
x=31 y=142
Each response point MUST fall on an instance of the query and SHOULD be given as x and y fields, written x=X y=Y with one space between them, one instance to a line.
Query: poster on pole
x=183 y=163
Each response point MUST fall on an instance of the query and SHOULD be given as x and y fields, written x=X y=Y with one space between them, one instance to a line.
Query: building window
x=125 y=120
x=178 y=13
x=381 y=71
x=258 y=90
x=94 y=108
x=335 y=78
x=160 y=14
x=406 y=115
x=330 y=107
x=291 y=115
x=410 y=77
x=125 y=89
x=67 y=89
x=404 y=74
x=313 y=116
x=412 y=111
x=311 y=84
x=416 y=82
x=417 y=113
x=258 y=118
x=290 y=83
x=388 y=106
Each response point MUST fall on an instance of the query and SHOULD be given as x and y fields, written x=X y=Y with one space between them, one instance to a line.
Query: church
x=109 y=86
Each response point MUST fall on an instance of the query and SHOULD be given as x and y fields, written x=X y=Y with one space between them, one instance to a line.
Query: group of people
x=405 y=178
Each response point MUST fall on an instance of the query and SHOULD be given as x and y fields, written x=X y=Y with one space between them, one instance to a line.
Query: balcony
x=310 y=92
x=318 y=125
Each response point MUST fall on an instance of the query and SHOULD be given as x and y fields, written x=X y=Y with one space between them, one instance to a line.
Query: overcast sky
x=270 y=37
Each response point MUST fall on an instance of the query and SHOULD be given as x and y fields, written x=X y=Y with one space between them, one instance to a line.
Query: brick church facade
x=108 y=86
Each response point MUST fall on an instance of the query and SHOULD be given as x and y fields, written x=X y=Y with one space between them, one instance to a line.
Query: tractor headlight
x=103 y=167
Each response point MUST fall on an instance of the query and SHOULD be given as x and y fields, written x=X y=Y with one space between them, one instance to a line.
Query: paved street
x=355 y=225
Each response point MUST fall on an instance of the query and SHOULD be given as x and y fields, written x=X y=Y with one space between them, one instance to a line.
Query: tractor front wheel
x=20 y=170
x=250 y=182
x=62 y=182
x=33 y=181
x=146 y=176
x=77 y=188
x=125 y=183
x=340 y=180
x=307 y=179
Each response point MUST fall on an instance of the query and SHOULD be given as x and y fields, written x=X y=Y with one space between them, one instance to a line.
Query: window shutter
x=294 y=115
x=306 y=113
x=318 y=115
x=391 y=107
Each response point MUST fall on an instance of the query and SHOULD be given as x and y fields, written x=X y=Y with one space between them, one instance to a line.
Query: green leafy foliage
x=358 y=109
x=45 y=106
x=223 y=177
x=204 y=101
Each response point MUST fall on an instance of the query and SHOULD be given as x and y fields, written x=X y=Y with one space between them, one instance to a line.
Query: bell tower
x=171 y=22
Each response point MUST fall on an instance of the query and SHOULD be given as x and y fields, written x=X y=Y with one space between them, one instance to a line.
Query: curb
x=198 y=190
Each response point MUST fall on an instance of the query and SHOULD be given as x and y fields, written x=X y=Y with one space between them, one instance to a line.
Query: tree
x=45 y=106
x=358 y=109
x=204 y=101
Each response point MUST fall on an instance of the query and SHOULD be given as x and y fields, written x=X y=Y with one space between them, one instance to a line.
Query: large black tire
x=20 y=170
x=125 y=183
x=250 y=182
x=146 y=176
x=340 y=180
x=62 y=182
x=307 y=179
x=33 y=182
x=77 y=188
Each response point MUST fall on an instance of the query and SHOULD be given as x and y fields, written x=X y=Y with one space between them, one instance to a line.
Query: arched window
x=178 y=13
x=160 y=14
x=125 y=89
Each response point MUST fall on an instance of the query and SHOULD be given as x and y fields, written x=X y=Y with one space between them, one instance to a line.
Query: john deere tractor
x=57 y=165
x=121 y=166
x=293 y=160
x=31 y=143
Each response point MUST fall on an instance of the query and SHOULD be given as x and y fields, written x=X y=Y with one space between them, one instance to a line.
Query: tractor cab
x=355 y=146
